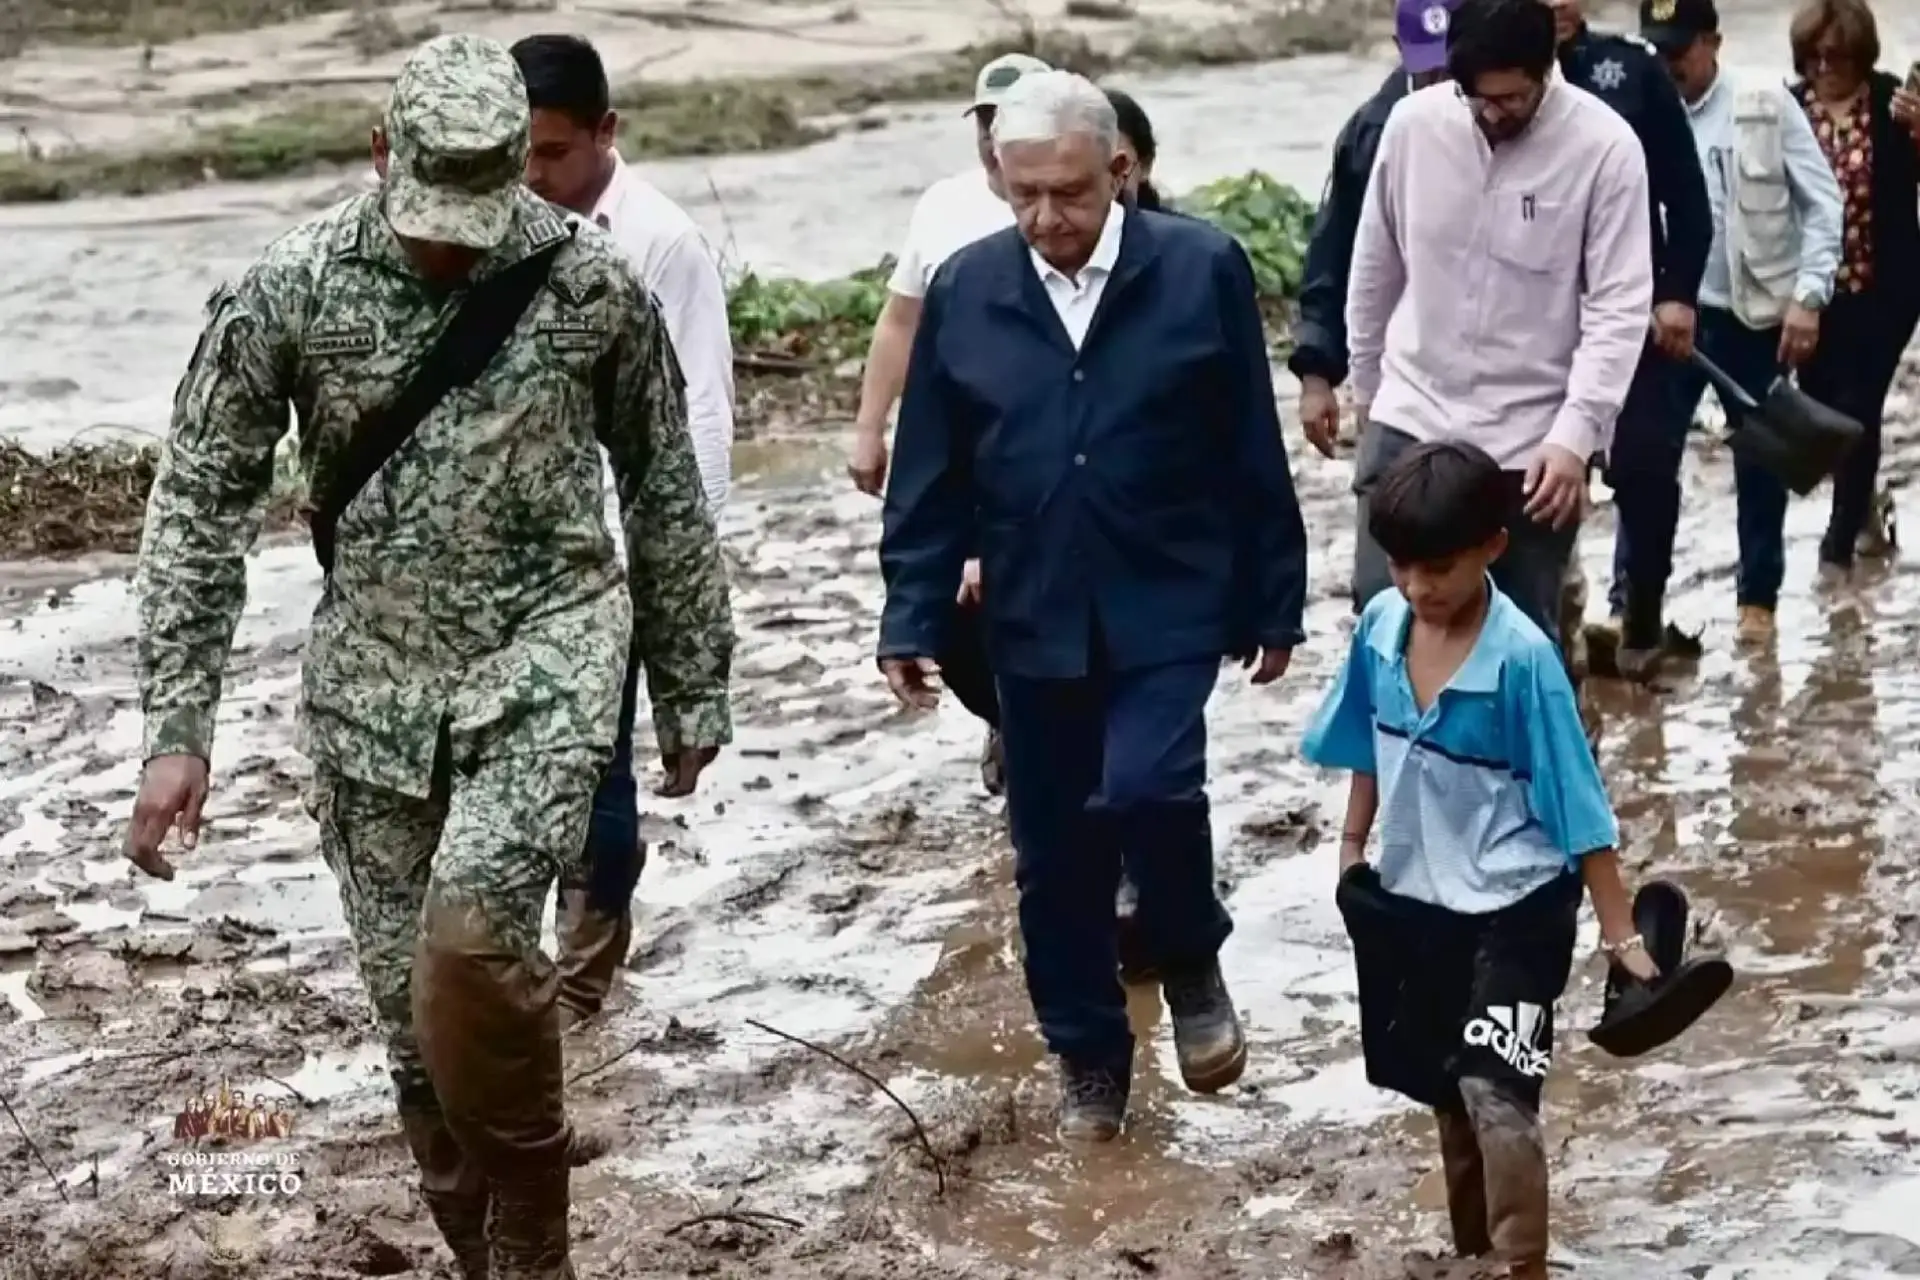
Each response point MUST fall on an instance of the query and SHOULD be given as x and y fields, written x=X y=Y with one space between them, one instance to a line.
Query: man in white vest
x=1777 y=213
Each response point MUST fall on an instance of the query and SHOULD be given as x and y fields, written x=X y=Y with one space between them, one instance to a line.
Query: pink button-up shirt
x=1502 y=295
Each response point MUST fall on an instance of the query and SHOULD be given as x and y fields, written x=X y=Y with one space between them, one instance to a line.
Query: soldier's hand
x=911 y=681
x=681 y=770
x=173 y=791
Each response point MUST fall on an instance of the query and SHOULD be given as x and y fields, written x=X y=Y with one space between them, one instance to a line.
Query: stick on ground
x=739 y=1217
x=920 y=1130
x=34 y=1147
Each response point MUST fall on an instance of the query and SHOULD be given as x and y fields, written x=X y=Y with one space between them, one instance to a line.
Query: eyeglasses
x=1517 y=103
x=1830 y=59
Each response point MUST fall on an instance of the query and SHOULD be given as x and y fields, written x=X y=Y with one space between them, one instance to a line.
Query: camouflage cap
x=457 y=125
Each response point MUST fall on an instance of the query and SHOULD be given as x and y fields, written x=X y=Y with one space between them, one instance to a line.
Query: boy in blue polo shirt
x=1456 y=718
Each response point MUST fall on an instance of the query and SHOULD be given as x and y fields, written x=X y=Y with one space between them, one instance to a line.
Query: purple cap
x=1421 y=27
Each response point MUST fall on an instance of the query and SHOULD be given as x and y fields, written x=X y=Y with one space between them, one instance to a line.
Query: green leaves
x=1270 y=219
x=831 y=321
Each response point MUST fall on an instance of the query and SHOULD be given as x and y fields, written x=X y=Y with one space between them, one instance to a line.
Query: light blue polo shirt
x=1493 y=792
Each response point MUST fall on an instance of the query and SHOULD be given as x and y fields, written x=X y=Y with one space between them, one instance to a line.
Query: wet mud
x=842 y=878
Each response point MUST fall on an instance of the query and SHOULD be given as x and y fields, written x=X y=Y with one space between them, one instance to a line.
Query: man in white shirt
x=950 y=215
x=572 y=162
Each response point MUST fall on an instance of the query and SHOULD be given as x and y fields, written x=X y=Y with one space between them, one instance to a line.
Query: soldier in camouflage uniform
x=463 y=676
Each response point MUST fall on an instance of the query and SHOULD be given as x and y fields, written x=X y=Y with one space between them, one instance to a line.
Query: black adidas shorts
x=1445 y=995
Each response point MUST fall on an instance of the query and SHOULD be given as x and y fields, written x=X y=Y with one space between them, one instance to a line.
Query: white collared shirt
x=1075 y=300
x=675 y=263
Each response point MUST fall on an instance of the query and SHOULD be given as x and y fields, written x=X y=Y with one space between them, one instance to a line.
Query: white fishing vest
x=1763 y=227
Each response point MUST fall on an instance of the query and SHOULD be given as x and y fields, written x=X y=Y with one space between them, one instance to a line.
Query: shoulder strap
x=457 y=357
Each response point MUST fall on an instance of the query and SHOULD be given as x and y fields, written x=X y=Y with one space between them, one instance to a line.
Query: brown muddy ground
x=841 y=878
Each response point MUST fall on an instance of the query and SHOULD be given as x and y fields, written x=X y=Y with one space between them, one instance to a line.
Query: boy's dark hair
x=1500 y=35
x=564 y=74
x=1438 y=500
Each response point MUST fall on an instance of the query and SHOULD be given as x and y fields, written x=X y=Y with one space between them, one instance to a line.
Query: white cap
x=1000 y=75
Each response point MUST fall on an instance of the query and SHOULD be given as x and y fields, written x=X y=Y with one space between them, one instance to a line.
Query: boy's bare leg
x=1466 y=1183
x=1515 y=1159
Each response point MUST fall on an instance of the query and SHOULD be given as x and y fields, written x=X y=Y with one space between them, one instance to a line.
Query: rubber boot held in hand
x=489 y=1034
x=593 y=946
x=452 y=1186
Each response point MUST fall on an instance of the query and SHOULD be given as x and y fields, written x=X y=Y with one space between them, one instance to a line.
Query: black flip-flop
x=1639 y=1017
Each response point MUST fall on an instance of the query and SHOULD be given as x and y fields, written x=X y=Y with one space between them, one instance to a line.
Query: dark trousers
x=615 y=856
x=1643 y=469
x=1862 y=336
x=964 y=668
x=1751 y=357
x=1530 y=572
x=1101 y=771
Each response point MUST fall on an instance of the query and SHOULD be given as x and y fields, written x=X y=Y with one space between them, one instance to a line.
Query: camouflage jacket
x=476 y=589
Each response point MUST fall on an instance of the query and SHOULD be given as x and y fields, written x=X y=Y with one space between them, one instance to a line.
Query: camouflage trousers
x=444 y=897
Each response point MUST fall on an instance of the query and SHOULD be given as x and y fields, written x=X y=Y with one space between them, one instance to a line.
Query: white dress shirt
x=677 y=266
x=1075 y=300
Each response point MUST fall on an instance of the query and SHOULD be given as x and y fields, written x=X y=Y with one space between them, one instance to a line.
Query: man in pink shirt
x=1502 y=284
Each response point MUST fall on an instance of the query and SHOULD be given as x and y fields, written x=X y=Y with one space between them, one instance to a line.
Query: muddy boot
x=1135 y=967
x=451 y=1186
x=1093 y=1102
x=1643 y=635
x=1756 y=626
x=489 y=1034
x=993 y=764
x=1466 y=1183
x=1515 y=1159
x=530 y=1228
x=1206 y=1030
x=593 y=946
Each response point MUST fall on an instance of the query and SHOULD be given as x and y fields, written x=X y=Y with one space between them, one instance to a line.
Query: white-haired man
x=1089 y=409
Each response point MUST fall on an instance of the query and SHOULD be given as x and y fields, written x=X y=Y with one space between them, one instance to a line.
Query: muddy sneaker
x=1206 y=1030
x=1093 y=1103
x=1756 y=626
x=1135 y=967
x=993 y=764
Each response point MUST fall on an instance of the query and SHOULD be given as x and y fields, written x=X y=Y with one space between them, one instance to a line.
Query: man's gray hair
x=1045 y=105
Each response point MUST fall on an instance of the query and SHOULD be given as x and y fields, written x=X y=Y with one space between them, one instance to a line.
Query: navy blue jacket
x=1137 y=489
x=1625 y=73
x=1320 y=323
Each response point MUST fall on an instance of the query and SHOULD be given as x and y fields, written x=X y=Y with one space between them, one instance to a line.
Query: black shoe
x=1135 y=967
x=1093 y=1102
x=1206 y=1030
x=1638 y=1017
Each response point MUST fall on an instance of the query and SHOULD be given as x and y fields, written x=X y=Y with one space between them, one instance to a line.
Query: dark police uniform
x=1624 y=72
x=1320 y=325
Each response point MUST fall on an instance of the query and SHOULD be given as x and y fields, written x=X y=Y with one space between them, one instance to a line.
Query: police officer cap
x=1671 y=25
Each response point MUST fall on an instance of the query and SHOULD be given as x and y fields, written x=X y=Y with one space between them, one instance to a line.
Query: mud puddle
x=841 y=878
